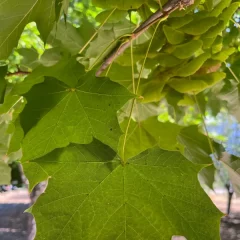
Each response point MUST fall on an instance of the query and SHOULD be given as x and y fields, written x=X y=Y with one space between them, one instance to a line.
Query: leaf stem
x=136 y=91
x=231 y=71
x=131 y=110
x=237 y=24
x=160 y=4
x=110 y=66
x=20 y=99
x=96 y=32
x=124 y=161
x=145 y=57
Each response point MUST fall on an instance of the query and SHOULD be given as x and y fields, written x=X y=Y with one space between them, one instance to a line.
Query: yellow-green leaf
x=188 y=49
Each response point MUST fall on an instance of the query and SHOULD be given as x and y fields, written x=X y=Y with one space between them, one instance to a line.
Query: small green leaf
x=207 y=176
x=66 y=70
x=165 y=134
x=173 y=36
x=68 y=37
x=177 y=22
x=104 y=43
x=140 y=111
x=220 y=7
x=207 y=42
x=164 y=60
x=35 y=174
x=198 y=27
x=151 y=89
x=228 y=13
x=209 y=4
x=188 y=49
x=29 y=57
x=125 y=78
x=193 y=66
x=196 y=83
x=224 y=54
x=196 y=145
x=186 y=101
x=13 y=106
x=136 y=141
x=61 y=6
x=51 y=56
x=17 y=136
x=214 y=31
x=217 y=45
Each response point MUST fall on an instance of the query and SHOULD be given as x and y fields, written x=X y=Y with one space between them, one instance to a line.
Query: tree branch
x=19 y=72
x=168 y=8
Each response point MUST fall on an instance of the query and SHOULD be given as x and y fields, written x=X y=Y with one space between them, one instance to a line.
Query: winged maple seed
x=168 y=8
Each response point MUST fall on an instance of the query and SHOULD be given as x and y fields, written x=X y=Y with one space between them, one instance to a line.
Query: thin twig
x=231 y=71
x=126 y=132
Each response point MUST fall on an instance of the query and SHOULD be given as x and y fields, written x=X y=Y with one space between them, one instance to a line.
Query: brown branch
x=168 y=8
x=17 y=73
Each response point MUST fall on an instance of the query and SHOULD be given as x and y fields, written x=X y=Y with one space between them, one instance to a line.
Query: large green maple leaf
x=21 y=13
x=91 y=196
x=57 y=114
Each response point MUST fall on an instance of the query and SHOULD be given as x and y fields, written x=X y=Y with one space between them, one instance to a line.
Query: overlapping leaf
x=197 y=147
x=232 y=164
x=67 y=70
x=207 y=176
x=10 y=136
x=5 y=176
x=135 y=140
x=42 y=12
x=61 y=6
x=196 y=84
x=165 y=134
x=62 y=113
x=68 y=37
